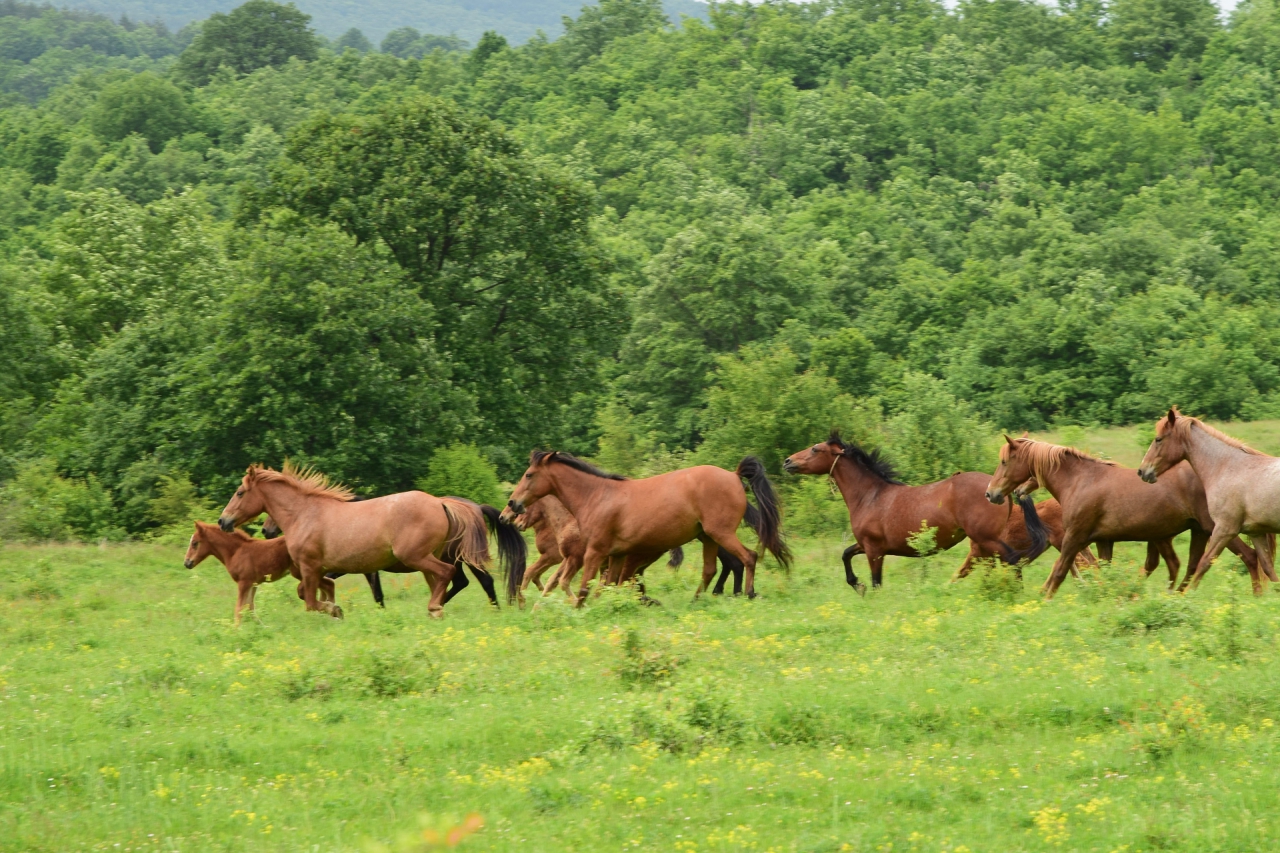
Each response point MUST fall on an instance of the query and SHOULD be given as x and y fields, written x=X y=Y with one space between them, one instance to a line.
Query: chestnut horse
x=884 y=511
x=643 y=519
x=1102 y=502
x=327 y=530
x=1242 y=487
x=270 y=530
x=249 y=561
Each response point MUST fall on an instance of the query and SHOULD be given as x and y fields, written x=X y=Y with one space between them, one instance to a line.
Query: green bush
x=812 y=508
x=38 y=504
x=934 y=435
x=999 y=581
x=463 y=471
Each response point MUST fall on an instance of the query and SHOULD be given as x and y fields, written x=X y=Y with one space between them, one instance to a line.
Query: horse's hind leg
x=1264 y=570
x=486 y=583
x=1164 y=548
x=975 y=552
x=311 y=577
x=729 y=564
x=244 y=597
x=457 y=583
x=709 y=550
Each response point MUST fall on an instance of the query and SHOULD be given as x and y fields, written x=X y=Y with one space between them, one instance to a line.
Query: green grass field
x=924 y=717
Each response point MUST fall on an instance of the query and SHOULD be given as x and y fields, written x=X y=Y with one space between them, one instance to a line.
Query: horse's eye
x=1159 y=439
x=240 y=493
x=817 y=448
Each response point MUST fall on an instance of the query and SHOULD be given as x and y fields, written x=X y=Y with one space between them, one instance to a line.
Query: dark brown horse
x=884 y=511
x=250 y=562
x=1102 y=502
x=643 y=519
x=326 y=530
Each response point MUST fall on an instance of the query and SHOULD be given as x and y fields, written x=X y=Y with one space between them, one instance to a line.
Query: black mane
x=873 y=461
x=573 y=462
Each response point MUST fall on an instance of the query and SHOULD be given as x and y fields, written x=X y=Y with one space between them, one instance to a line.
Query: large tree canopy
x=500 y=245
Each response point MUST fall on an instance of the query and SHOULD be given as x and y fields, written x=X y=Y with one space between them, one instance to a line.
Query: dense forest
x=645 y=243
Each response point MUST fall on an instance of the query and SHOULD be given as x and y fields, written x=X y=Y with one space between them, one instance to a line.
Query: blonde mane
x=1183 y=427
x=1045 y=458
x=308 y=480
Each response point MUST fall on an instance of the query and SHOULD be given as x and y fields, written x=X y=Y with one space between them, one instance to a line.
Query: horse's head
x=245 y=504
x=270 y=530
x=1166 y=450
x=1029 y=487
x=534 y=514
x=536 y=482
x=1014 y=470
x=819 y=459
x=199 y=547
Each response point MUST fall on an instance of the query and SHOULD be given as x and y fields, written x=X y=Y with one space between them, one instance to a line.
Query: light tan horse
x=1102 y=502
x=326 y=530
x=1242 y=486
x=249 y=561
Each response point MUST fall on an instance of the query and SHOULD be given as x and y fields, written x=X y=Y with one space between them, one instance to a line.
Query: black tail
x=676 y=558
x=513 y=551
x=767 y=520
x=1035 y=529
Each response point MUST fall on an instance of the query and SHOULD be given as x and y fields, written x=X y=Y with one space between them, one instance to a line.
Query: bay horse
x=270 y=530
x=884 y=511
x=1241 y=485
x=645 y=518
x=250 y=562
x=1103 y=502
x=327 y=530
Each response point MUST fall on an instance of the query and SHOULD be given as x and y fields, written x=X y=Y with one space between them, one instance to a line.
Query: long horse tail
x=1036 y=532
x=675 y=559
x=468 y=540
x=767 y=520
x=513 y=551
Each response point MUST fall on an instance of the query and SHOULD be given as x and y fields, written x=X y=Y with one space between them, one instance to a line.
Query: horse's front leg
x=590 y=567
x=975 y=552
x=312 y=575
x=1264 y=570
x=1222 y=536
x=1066 y=559
x=709 y=551
x=849 y=577
x=244 y=597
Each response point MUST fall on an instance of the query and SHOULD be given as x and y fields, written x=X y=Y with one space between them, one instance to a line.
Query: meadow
x=927 y=716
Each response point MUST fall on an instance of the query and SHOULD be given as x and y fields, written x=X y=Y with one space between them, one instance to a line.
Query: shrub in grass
x=643 y=667
x=998 y=581
x=1153 y=614
x=388 y=675
x=1112 y=582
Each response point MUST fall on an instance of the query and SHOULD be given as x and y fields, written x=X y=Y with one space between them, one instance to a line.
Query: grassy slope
x=923 y=716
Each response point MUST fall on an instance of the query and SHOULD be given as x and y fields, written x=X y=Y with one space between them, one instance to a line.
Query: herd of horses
x=1192 y=478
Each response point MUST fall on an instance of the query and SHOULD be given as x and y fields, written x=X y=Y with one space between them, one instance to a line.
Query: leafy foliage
x=255 y=35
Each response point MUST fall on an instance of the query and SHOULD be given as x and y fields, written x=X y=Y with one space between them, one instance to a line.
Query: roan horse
x=643 y=519
x=1104 y=503
x=1241 y=485
x=325 y=529
x=249 y=561
x=884 y=511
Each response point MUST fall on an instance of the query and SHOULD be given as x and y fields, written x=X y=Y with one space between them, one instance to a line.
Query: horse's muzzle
x=226 y=524
x=995 y=496
x=190 y=564
x=1148 y=475
x=516 y=507
x=788 y=465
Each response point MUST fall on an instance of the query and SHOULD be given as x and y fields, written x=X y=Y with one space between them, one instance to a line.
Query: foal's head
x=245 y=504
x=1016 y=467
x=1167 y=449
x=199 y=547
x=538 y=482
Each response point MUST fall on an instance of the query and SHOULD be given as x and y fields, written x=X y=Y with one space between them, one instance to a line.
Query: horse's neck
x=223 y=545
x=1071 y=471
x=576 y=490
x=857 y=486
x=1210 y=457
x=284 y=502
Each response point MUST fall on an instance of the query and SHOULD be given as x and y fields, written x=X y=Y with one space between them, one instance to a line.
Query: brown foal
x=249 y=561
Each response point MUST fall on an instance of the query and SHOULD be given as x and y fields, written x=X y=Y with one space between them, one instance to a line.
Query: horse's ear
x=1010 y=440
x=1025 y=434
x=1173 y=415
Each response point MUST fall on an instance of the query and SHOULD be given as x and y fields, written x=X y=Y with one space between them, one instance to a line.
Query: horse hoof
x=861 y=589
x=337 y=612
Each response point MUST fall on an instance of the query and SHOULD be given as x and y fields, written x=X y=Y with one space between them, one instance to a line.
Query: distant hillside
x=518 y=20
